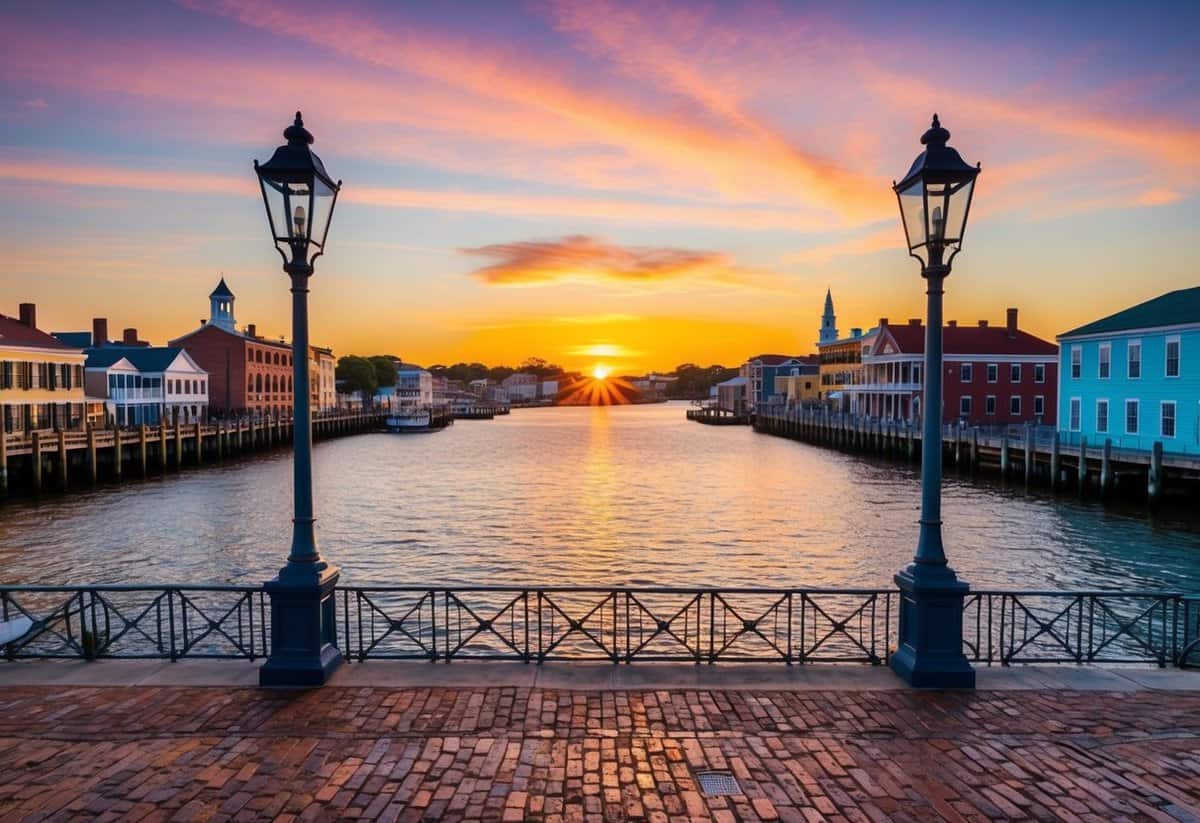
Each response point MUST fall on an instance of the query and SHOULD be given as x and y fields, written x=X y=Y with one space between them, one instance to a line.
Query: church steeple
x=220 y=307
x=829 y=332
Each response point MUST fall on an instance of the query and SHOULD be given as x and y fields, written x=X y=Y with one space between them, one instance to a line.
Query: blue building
x=1134 y=377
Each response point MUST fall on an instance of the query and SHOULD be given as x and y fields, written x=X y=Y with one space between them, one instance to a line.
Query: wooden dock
x=56 y=458
x=1026 y=453
x=477 y=412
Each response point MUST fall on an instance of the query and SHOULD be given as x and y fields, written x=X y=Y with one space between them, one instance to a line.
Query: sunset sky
x=637 y=184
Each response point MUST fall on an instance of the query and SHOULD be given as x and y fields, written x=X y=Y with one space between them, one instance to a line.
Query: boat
x=418 y=419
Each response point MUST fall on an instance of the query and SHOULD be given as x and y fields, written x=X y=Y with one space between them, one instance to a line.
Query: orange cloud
x=586 y=258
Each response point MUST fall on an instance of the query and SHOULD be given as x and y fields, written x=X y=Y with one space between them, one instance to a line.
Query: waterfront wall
x=33 y=463
x=1025 y=453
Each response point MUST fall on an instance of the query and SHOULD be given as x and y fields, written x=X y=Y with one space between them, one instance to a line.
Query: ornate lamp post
x=935 y=198
x=299 y=196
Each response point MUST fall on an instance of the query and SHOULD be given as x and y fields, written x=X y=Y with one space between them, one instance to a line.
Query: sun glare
x=599 y=372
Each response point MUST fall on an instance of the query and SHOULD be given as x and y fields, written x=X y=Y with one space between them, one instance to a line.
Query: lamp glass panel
x=276 y=212
x=322 y=211
x=912 y=209
x=957 y=202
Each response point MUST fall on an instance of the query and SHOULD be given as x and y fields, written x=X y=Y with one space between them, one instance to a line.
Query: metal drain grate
x=718 y=783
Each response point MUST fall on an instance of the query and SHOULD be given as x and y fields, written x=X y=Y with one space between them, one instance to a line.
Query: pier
x=1026 y=453
x=477 y=412
x=59 y=458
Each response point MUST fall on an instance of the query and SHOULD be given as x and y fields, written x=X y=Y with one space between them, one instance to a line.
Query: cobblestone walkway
x=156 y=753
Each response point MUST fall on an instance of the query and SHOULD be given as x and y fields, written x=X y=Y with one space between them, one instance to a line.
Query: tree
x=385 y=370
x=358 y=374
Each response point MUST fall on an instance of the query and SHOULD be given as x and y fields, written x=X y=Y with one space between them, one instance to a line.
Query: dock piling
x=36 y=456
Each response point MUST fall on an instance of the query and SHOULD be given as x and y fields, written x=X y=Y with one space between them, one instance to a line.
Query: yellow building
x=41 y=379
x=841 y=370
x=321 y=378
x=799 y=389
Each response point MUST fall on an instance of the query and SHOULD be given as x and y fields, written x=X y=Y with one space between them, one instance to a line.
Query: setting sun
x=600 y=372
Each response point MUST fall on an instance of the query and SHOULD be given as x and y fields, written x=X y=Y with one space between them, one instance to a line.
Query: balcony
x=142 y=395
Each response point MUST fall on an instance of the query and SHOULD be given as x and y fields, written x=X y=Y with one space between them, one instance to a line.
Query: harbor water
x=628 y=495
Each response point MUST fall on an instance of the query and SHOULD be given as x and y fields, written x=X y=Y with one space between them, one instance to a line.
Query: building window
x=964 y=405
x=1014 y=404
x=1039 y=405
x=1073 y=415
x=249 y=355
x=1076 y=363
x=1167 y=418
x=1039 y=372
x=1172 y=357
x=965 y=374
x=1105 y=362
x=1131 y=417
x=993 y=372
x=1135 y=359
x=1014 y=373
x=1102 y=416
x=989 y=405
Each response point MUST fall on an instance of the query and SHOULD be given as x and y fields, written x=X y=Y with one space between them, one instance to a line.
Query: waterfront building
x=414 y=386
x=147 y=384
x=1134 y=377
x=840 y=370
x=733 y=395
x=653 y=386
x=247 y=373
x=994 y=375
x=763 y=370
x=801 y=387
x=139 y=382
x=548 y=390
x=521 y=387
x=322 y=368
x=41 y=378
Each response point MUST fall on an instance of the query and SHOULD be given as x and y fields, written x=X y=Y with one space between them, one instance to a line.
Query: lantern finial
x=296 y=134
x=936 y=134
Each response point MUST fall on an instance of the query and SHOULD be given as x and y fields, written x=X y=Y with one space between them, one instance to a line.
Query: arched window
x=250 y=384
x=258 y=383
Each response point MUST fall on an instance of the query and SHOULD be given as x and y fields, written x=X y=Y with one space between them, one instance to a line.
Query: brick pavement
x=159 y=753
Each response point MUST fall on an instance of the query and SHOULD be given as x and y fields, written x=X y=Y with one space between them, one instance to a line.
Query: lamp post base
x=930 y=654
x=304 y=650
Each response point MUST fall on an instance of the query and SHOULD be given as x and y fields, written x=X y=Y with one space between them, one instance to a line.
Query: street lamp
x=935 y=199
x=299 y=197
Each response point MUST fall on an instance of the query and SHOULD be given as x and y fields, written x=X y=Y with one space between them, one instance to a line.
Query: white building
x=148 y=384
x=521 y=387
x=414 y=386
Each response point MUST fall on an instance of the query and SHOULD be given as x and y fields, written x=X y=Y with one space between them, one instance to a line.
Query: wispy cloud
x=580 y=257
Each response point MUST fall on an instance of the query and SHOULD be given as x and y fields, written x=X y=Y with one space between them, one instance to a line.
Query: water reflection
x=622 y=494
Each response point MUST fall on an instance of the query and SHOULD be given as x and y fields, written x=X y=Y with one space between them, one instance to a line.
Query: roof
x=75 y=339
x=777 y=359
x=261 y=341
x=1174 y=308
x=733 y=381
x=143 y=358
x=221 y=290
x=910 y=339
x=15 y=333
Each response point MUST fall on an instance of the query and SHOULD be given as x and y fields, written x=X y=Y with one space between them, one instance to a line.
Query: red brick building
x=247 y=373
x=993 y=375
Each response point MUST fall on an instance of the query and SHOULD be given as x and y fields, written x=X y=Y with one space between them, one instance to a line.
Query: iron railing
x=612 y=624
x=133 y=621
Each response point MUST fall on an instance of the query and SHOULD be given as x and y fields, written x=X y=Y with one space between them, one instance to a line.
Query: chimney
x=252 y=330
x=983 y=324
x=28 y=313
x=99 y=331
x=203 y=321
x=882 y=322
x=914 y=321
x=1012 y=323
x=952 y=324
x=129 y=337
x=856 y=332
